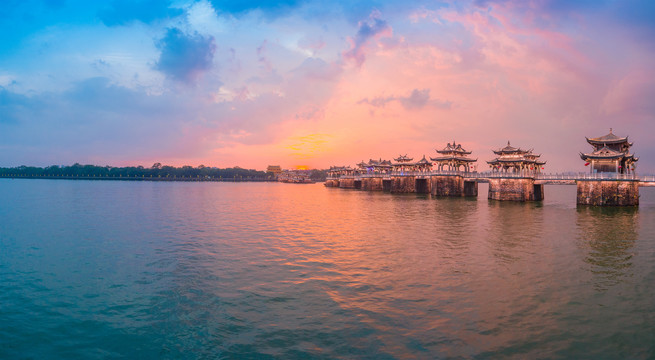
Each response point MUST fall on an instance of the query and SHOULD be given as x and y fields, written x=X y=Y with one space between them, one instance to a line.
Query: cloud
x=96 y=120
x=373 y=27
x=317 y=69
x=184 y=57
x=121 y=12
x=416 y=100
x=11 y=106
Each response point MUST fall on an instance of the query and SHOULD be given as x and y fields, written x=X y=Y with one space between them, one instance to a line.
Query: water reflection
x=453 y=225
x=608 y=235
x=512 y=226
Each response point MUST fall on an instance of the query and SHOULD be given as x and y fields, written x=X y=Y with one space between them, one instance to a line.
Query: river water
x=111 y=269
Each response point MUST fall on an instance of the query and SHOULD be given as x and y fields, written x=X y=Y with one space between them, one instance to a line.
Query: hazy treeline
x=155 y=171
x=318 y=175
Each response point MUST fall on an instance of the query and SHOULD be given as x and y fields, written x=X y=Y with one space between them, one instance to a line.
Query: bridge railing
x=647 y=178
x=493 y=175
x=588 y=176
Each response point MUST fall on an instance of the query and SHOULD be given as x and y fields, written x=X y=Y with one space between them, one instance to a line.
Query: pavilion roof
x=509 y=149
x=403 y=158
x=453 y=157
x=515 y=161
x=608 y=139
x=423 y=161
x=606 y=153
x=453 y=148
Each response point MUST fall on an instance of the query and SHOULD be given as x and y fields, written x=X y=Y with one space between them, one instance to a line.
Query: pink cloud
x=372 y=28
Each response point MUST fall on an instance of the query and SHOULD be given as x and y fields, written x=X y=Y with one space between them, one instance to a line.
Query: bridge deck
x=549 y=179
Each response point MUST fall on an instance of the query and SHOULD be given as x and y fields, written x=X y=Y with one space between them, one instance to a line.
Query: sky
x=318 y=83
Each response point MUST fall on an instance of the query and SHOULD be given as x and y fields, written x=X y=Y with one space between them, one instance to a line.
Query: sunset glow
x=320 y=83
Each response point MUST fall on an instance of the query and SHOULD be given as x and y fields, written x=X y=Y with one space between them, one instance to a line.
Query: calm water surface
x=103 y=269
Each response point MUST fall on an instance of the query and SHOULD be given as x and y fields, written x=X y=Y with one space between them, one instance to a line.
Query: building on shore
x=516 y=160
x=611 y=154
x=295 y=176
x=274 y=170
x=453 y=158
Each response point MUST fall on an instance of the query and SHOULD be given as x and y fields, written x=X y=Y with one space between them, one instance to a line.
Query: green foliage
x=318 y=175
x=156 y=171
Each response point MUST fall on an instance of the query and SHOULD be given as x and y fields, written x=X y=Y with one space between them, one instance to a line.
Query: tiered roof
x=403 y=158
x=423 y=163
x=453 y=152
x=513 y=157
x=454 y=149
x=377 y=164
x=608 y=139
x=610 y=149
x=510 y=150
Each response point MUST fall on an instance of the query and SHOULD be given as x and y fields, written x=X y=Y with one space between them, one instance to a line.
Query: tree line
x=157 y=170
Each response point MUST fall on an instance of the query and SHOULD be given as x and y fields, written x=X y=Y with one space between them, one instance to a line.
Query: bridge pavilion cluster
x=375 y=166
x=515 y=174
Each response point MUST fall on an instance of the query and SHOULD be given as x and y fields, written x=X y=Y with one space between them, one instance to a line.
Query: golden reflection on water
x=457 y=275
x=607 y=237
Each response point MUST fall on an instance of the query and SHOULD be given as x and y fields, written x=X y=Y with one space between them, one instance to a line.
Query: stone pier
x=410 y=184
x=331 y=183
x=515 y=189
x=372 y=184
x=347 y=183
x=608 y=192
x=453 y=185
x=403 y=184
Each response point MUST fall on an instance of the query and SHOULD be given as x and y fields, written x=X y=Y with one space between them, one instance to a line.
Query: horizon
x=317 y=84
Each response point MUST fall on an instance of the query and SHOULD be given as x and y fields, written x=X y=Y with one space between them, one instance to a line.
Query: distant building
x=516 y=160
x=274 y=169
x=611 y=154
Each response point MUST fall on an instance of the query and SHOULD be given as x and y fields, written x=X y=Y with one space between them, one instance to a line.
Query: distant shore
x=136 y=178
x=157 y=172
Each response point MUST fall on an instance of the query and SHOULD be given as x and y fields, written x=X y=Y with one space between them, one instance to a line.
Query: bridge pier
x=453 y=185
x=515 y=189
x=403 y=184
x=608 y=192
x=347 y=183
x=372 y=183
